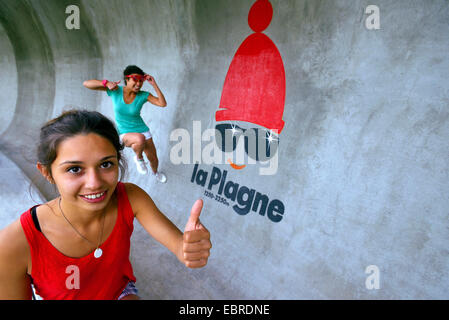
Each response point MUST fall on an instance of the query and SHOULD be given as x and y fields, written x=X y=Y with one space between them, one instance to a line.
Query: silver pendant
x=98 y=253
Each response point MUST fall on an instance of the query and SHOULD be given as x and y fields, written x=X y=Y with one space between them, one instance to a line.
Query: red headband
x=137 y=77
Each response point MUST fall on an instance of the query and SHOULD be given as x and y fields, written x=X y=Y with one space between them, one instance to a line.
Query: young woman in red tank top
x=77 y=245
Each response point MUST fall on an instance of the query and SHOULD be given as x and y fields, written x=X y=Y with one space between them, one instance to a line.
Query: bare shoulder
x=14 y=248
x=133 y=192
x=138 y=198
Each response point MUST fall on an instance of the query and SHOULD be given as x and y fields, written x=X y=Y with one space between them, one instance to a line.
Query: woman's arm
x=98 y=85
x=159 y=100
x=15 y=283
x=192 y=247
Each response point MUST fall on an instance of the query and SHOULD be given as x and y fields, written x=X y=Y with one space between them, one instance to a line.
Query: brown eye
x=74 y=170
x=107 y=164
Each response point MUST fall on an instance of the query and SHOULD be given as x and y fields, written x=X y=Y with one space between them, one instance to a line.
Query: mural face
x=248 y=121
x=253 y=92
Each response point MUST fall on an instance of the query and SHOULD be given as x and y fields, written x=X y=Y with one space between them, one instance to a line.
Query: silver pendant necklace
x=98 y=252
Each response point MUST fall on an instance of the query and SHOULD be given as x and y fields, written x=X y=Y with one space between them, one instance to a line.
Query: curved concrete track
x=362 y=172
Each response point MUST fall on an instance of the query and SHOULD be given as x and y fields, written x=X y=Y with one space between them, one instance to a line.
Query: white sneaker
x=160 y=177
x=141 y=167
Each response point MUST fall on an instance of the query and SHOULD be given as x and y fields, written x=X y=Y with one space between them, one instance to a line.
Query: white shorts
x=146 y=134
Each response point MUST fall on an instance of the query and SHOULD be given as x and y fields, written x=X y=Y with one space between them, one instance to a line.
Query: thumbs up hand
x=196 y=239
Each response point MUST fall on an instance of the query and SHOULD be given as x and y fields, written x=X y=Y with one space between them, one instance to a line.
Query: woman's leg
x=150 y=151
x=136 y=141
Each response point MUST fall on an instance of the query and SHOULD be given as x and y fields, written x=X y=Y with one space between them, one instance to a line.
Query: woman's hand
x=159 y=100
x=196 y=243
x=101 y=85
x=112 y=85
x=150 y=79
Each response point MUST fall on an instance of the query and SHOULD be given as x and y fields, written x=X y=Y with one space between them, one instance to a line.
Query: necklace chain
x=83 y=237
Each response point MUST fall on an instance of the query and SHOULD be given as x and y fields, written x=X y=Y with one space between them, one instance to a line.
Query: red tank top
x=58 y=277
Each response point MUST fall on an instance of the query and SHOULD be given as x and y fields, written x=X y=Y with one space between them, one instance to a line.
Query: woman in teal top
x=128 y=102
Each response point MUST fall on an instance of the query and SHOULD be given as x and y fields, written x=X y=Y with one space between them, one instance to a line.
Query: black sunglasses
x=255 y=139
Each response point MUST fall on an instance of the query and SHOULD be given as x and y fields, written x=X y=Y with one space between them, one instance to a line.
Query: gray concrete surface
x=17 y=192
x=363 y=157
x=8 y=95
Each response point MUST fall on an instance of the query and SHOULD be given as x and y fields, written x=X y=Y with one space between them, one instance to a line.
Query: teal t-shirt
x=127 y=116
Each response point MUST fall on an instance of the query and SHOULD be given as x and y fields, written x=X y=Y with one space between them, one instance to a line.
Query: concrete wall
x=362 y=159
x=17 y=191
x=8 y=96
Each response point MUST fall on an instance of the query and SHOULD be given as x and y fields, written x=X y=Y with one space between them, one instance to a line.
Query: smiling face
x=86 y=171
x=135 y=82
